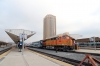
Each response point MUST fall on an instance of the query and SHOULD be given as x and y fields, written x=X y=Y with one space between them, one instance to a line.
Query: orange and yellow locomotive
x=61 y=42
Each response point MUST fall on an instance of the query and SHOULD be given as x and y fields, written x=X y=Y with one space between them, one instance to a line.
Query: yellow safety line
x=5 y=53
x=52 y=59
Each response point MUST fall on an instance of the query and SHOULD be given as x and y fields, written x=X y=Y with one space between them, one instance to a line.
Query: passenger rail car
x=36 y=44
x=90 y=44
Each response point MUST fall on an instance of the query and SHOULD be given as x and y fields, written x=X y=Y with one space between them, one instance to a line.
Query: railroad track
x=62 y=56
x=4 y=50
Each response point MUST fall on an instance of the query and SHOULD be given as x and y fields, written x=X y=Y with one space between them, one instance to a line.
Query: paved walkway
x=15 y=58
x=88 y=51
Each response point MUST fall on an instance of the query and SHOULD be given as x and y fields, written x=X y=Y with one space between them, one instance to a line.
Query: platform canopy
x=14 y=34
x=2 y=42
x=75 y=36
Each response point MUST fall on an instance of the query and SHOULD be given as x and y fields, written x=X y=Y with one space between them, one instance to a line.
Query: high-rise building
x=49 y=27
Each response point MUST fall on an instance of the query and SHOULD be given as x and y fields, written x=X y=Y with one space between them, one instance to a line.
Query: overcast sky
x=73 y=16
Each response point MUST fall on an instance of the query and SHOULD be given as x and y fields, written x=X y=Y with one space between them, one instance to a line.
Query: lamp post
x=93 y=39
x=94 y=43
x=22 y=37
x=23 y=43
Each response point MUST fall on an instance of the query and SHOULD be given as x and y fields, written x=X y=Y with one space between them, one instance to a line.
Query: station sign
x=21 y=36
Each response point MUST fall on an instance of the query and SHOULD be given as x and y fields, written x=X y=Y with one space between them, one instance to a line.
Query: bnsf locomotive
x=61 y=42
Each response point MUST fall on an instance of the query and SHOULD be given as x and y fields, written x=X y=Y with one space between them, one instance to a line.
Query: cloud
x=96 y=12
x=73 y=16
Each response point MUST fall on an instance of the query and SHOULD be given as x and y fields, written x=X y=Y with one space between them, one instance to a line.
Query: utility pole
x=24 y=37
x=23 y=43
x=94 y=43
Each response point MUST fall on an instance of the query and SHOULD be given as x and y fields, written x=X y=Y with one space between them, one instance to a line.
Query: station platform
x=15 y=58
x=88 y=51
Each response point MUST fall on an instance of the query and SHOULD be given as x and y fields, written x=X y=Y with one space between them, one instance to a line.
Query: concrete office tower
x=49 y=27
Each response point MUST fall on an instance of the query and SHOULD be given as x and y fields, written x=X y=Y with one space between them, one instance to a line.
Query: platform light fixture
x=93 y=39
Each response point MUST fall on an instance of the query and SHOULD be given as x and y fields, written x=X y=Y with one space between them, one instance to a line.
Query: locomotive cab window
x=57 y=38
x=64 y=37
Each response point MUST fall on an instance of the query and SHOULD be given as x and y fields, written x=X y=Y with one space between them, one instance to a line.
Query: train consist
x=60 y=42
x=90 y=44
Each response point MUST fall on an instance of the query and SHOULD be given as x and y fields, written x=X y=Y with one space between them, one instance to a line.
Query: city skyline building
x=49 y=26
